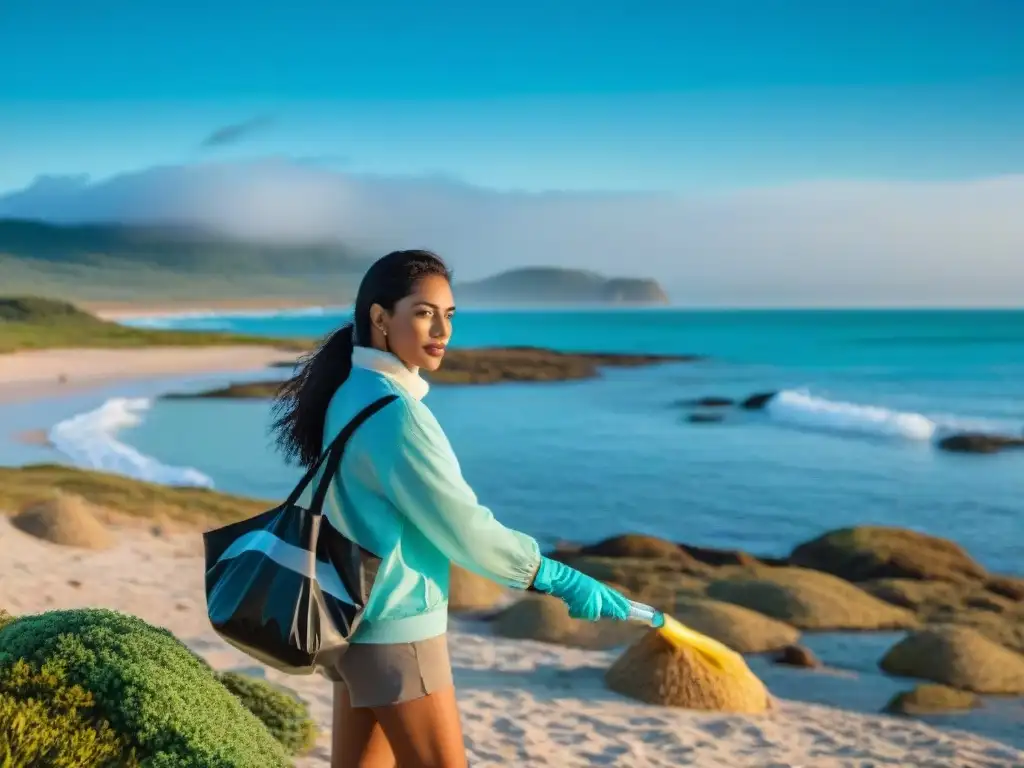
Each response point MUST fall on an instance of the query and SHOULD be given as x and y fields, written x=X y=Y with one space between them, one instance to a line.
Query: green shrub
x=46 y=722
x=152 y=690
x=284 y=715
x=5 y=618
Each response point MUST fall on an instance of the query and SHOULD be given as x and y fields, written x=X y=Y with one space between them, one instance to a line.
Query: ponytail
x=301 y=402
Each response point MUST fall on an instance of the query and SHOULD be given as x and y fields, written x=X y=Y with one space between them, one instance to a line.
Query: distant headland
x=555 y=285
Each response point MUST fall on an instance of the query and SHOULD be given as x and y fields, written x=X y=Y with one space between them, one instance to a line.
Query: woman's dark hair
x=301 y=402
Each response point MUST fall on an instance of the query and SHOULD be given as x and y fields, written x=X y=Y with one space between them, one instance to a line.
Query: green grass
x=32 y=322
x=134 y=498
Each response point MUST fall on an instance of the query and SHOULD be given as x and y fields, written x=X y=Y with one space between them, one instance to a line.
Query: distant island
x=131 y=263
x=555 y=285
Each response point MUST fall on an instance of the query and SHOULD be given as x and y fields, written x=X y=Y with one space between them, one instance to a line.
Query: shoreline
x=523 y=701
x=37 y=374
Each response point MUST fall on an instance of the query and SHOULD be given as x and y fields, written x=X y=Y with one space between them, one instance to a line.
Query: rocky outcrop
x=545 y=618
x=1006 y=629
x=480 y=366
x=705 y=418
x=930 y=699
x=716 y=557
x=636 y=545
x=978 y=442
x=757 y=401
x=878 y=552
x=741 y=629
x=707 y=402
x=810 y=600
x=1010 y=587
x=925 y=597
x=959 y=657
x=797 y=656
x=654 y=671
x=658 y=582
x=469 y=592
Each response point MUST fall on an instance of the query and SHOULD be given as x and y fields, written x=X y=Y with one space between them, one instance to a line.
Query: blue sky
x=536 y=95
x=764 y=152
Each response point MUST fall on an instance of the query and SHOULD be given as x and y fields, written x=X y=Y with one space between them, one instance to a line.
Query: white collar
x=389 y=365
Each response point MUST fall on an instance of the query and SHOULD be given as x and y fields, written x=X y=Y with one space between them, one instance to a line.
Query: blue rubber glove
x=587 y=598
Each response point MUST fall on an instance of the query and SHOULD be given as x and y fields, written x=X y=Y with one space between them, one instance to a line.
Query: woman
x=400 y=495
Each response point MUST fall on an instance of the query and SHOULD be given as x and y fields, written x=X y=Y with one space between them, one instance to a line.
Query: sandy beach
x=523 y=702
x=41 y=373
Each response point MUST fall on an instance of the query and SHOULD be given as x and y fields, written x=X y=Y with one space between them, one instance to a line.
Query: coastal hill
x=125 y=263
x=131 y=262
x=34 y=322
x=554 y=285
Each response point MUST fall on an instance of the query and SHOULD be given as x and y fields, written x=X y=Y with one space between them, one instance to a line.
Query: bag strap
x=331 y=457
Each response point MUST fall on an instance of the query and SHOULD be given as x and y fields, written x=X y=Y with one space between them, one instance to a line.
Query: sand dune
x=523 y=703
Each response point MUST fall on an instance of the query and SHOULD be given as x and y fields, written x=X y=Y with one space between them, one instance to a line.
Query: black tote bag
x=285 y=586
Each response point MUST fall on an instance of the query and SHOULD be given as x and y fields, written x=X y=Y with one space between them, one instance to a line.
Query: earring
x=384 y=331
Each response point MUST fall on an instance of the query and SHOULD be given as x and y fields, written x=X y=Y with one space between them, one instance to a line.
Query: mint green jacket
x=399 y=493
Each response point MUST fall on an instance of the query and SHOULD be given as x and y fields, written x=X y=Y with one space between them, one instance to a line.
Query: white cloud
x=809 y=243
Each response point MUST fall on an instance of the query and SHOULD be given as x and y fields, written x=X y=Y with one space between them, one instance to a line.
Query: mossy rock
x=284 y=715
x=655 y=581
x=743 y=630
x=879 y=552
x=930 y=699
x=636 y=545
x=1005 y=629
x=546 y=618
x=918 y=595
x=797 y=656
x=153 y=691
x=654 y=671
x=810 y=600
x=959 y=657
x=468 y=591
x=1010 y=587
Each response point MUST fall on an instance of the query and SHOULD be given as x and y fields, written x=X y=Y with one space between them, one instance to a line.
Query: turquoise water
x=869 y=392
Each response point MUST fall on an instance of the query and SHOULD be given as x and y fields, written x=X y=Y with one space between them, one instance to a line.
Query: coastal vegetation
x=34 y=322
x=960 y=617
x=124 y=497
x=88 y=688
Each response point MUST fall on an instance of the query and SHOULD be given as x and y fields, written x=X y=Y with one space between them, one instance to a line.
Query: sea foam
x=90 y=440
x=802 y=409
x=799 y=408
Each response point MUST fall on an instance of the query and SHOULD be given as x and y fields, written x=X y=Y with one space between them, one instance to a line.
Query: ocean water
x=850 y=441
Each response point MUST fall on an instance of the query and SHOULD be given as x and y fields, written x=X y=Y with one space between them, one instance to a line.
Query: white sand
x=39 y=373
x=523 y=703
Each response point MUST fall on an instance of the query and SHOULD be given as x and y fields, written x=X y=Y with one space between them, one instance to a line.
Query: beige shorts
x=382 y=674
